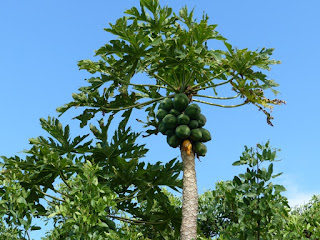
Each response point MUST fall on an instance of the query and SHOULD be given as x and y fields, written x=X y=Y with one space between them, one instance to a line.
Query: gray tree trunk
x=190 y=197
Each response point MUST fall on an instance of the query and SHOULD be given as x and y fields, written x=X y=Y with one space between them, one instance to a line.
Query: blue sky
x=41 y=42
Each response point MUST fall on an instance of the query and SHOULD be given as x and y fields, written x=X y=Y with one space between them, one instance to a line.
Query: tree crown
x=172 y=50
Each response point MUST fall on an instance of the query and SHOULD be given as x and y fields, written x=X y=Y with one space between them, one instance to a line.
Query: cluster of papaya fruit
x=180 y=120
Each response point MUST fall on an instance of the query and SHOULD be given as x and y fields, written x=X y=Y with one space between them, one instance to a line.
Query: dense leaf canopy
x=172 y=51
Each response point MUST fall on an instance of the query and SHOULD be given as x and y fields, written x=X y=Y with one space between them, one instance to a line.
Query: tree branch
x=220 y=98
x=28 y=235
x=55 y=198
x=133 y=221
x=137 y=105
x=55 y=190
x=218 y=105
x=131 y=195
x=64 y=179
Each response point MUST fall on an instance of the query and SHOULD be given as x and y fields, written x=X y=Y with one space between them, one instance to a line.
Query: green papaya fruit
x=183 y=131
x=180 y=102
x=200 y=149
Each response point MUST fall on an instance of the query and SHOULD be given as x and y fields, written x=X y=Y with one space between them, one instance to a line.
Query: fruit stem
x=215 y=85
x=217 y=75
x=190 y=78
x=161 y=79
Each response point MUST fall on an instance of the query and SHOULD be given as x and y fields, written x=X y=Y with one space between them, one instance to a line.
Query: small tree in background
x=250 y=206
x=304 y=221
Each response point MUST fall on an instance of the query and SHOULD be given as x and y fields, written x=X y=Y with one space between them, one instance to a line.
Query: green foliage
x=304 y=221
x=15 y=210
x=100 y=182
x=250 y=206
x=172 y=50
x=106 y=193
x=10 y=233
x=86 y=206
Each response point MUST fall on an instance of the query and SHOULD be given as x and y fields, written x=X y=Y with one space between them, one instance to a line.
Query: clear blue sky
x=41 y=42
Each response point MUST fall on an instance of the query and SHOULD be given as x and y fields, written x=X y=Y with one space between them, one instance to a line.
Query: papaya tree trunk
x=190 y=197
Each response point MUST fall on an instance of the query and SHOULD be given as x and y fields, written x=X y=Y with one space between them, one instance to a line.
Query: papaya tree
x=170 y=51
